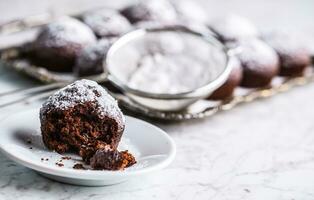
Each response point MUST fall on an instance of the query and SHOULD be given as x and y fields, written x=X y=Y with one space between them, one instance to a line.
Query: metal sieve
x=120 y=58
x=119 y=61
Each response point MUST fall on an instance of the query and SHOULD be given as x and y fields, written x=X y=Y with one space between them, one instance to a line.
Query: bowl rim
x=199 y=92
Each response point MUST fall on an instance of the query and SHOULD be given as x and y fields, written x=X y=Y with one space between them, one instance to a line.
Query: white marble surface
x=263 y=150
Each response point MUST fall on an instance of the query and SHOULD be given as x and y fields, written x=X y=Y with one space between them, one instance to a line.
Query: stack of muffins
x=261 y=57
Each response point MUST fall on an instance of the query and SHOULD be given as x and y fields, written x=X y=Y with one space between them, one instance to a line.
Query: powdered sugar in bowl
x=167 y=68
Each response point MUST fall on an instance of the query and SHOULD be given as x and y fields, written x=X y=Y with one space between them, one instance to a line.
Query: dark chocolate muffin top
x=259 y=61
x=107 y=22
x=59 y=42
x=291 y=50
x=256 y=55
x=90 y=60
x=64 y=32
x=150 y=10
x=81 y=92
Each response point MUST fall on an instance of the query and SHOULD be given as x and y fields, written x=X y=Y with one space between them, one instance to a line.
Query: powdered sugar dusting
x=92 y=52
x=66 y=31
x=91 y=58
x=161 y=10
x=83 y=91
x=233 y=28
x=190 y=11
x=151 y=10
x=167 y=62
x=286 y=44
x=107 y=22
x=256 y=53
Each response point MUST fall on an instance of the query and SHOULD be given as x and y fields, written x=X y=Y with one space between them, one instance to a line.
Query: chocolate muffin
x=90 y=60
x=81 y=118
x=190 y=11
x=233 y=28
x=260 y=63
x=294 y=56
x=226 y=90
x=107 y=22
x=150 y=10
x=111 y=159
x=58 y=44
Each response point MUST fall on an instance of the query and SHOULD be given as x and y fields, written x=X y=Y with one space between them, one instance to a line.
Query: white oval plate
x=21 y=141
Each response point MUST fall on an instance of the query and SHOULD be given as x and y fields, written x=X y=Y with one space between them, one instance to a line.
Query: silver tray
x=201 y=109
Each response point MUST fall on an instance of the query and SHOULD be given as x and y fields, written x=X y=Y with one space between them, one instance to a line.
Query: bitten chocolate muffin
x=234 y=80
x=111 y=159
x=150 y=10
x=233 y=28
x=58 y=44
x=90 y=60
x=107 y=22
x=293 y=55
x=82 y=118
x=259 y=61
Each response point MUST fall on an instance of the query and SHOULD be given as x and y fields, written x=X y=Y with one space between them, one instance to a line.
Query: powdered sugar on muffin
x=83 y=91
x=233 y=28
x=150 y=10
x=107 y=22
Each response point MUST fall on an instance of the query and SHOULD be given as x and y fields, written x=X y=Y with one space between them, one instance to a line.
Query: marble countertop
x=262 y=150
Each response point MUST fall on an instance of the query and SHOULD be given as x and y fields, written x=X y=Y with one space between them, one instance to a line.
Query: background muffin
x=293 y=53
x=259 y=61
x=59 y=43
x=90 y=60
x=234 y=80
x=107 y=22
x=232 y=28
x=150 y=10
